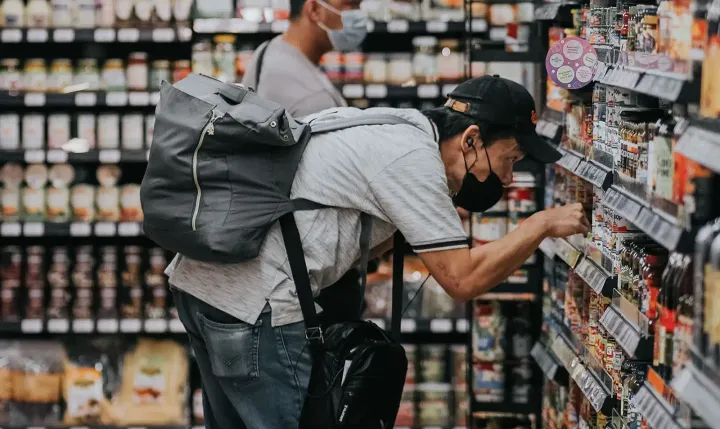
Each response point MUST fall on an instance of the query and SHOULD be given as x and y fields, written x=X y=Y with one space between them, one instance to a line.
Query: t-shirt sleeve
x=412 y=192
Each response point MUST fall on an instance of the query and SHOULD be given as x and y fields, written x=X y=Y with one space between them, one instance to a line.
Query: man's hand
x=564 y=221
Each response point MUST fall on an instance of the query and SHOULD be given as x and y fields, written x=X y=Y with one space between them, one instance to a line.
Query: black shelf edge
x=96 y=35
x=70 y=229
x=701 y=142
x=397 y=26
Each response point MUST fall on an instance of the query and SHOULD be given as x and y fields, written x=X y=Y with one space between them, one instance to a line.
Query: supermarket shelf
x=668 y=86
x=659 y=226
x=433 y=326
x=97 y=35
x=241 y=26
x=500 y=55
x=629 y=327
x=71 y=229
x=78 y=99
x=701 y=143
x=59 y=156
x=656 y=409
x=699 y=387
x=549 y=364
x=589 y=170
x=382 y=91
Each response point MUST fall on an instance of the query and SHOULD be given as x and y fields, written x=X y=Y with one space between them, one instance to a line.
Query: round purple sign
x=571 y=62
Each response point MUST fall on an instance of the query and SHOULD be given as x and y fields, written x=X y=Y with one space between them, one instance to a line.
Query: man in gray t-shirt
x=255 y=365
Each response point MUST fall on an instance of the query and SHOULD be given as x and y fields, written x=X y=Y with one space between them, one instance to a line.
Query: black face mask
x=476 y=196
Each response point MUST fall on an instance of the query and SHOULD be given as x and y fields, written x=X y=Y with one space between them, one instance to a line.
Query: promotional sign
x=571 y=62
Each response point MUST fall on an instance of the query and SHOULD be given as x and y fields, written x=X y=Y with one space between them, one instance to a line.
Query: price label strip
x=654 y=408
x=699 y=392
x=545 y=361
x=563 y=352
x=567 y=252
x=593 y=275
x=664 y=232
x=547 y=246
x=624 y=333
x=626 y=207
x=702 y=146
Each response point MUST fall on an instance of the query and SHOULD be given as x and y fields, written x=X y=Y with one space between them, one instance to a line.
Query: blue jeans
x=253 y=376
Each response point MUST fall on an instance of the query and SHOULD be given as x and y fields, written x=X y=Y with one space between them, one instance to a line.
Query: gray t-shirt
x=291 y=80
x=392 y=172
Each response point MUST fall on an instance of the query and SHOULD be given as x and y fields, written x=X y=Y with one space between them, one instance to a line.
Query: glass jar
x=13 y=14
x=202 y=58
x=84 y=13
x=450 y=61
x=61 y=75
x=35 y=75
x=62 y=15
x=11 y=78
x=113 y=75
x=38 y=14
x=159 y=72
x=354 y=67
x=400 y=68
x=376 y=68
x=88 y=74
x=137 y=72
x=181 y=69
x=224 y=58
x=424 y=60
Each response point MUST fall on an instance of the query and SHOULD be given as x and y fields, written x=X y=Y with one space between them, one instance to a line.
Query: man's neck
x=298 y=37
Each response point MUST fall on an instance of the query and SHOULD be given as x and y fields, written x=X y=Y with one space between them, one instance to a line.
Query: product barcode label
x=104 y=35
x=85 y=99
x=34 y=156
x=699 y=392
x=37 y=35
x=436 y=26
x=128 y=229
x=56 y=156
x=58 y=326
x=700 y=145
x=10 y=229
x=546 y=363
x=116 y=99
x=655 y=409
x=447 y=89
x=623 y=332
x=428 y=91
x=398 y=26
x=107 y=326
x=408 y=325
x=34 y=99
x=663 y=87
x=105 y=229
x=441 y=326
x=591 y=274
x=353 y=91
x=11 y=35
x=109 y=156
x=64 y=35
x=83 y=326
x=376 y=91
x=130 y=325
x=176 y=326
x=139 y=99
x=80 y=229
x=184 y=34
x=128 y=35
x=155 y=325
x=33 y=229
x=160 y=35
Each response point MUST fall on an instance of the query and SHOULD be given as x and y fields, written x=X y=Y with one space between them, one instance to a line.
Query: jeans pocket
x=232 y=348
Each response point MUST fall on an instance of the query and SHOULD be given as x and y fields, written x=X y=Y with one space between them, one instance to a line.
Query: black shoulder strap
x=397 y=284
x=258 y=66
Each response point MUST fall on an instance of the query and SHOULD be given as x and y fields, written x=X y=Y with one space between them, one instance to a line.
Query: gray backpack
x=221 y=168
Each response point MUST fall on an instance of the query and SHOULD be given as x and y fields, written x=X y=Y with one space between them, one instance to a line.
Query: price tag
x=546 y=363
x=243 y=26
x=563 y=352
x=116 y=99
x=10 y=229
x=80 y=229
x=566 y=252
x=130 y=325
x=280 y=26
x=11 y=35
x=37 y=35
x=621 y=330
x=57 y=156
x=129 y=35
x=154 y=98
x=441 y=326
x=128 y=229
x=34 y=156
x=428 y=91
x=408 y=325
x=105 y=229
x=353 y=91
x=461 y=326
x=107 y=326
x=83 y=326
x=673 y=89
x=33 y=229
x=154 y=326
x=104 y=35
x=376 y=91
x=176 y=326
x=31 y=326
x=85 y=99
x=398 y=26
x=64 y=35
x=58 y=326
x=437 y=27
x=592 y=275
x=34 y=99
x=656 y=411
x=109 y=156
x=160 y=35
x=478 y=25
x=139 y=99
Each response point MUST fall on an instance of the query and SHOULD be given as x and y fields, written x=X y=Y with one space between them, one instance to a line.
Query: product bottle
x=62 y=14
x=104 y=13
x=702 y=301
x=13 y=12
x=38 y=14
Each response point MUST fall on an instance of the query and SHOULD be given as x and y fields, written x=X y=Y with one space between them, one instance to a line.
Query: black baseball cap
x=503 y=102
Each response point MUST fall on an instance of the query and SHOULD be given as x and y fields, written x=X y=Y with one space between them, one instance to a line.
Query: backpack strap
x=343 y=123
x=258 y=66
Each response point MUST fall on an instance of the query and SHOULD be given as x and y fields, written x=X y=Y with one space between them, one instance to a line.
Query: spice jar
x=33 y=131
x=11 y=78
x=159 y=72
x=332 y=63
x=202 y=61
x=10 y=131
x=400 y=68
x=88 y=74
x=181 y=69
x=354 y=67
x=61 y=13
x=113 y=75
x=376 y=69
x=58 y=130
x=35 y=75
x=450 y=61
x=137 y=72
x=61 y=75
x=224 y=58
x=84 y=13
x=38 y=14
x=424 y=61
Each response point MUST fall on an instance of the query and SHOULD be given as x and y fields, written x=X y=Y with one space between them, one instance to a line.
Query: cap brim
x=537 y=148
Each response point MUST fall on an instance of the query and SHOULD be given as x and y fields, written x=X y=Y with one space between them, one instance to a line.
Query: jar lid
x=138 y=55
x=108 y=175
x=36 y=176
x=225 y=38
x=36 y=62
x=450 y=43
x=7 y=62
x=161 y=64
x=425 y=41
x=12 y=175
x=114 y=63
x=61 y=175
x=181 y=64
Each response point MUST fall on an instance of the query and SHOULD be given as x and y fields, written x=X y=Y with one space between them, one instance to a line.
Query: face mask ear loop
x=488 y=158
x=329 y=7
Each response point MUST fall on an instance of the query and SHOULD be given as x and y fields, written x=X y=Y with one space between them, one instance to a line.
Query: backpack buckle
x=315 y=335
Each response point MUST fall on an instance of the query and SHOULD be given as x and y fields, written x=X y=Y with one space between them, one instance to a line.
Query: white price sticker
x=128 y=229
x=104 y=35
x=479 y=25
x=129 y=35
x=64 y=35
x=591 y=274
x=107 y=326
x=130 y=325
x=428 y=91
x=11 y=35
x=154 y=98
x=353 y=91
x=34 y=156
x=58 y=326
x=85 y=99
x=10 y=229
x=408 y=325
x=376 y=91
x=105 y=229
x=139 y=99
x=83 y=326
x=546 y=363
x=57 y=156
x=37 y=35
x=398 y=26
x=33 y=229
x=116 y=99
x=31 y=326
x=160 y=35
x=441 y=326
x=437 y=27
x=109 y=156
x=154 y=326
x=462 y=326
x=35 y=99
x=244 y=26
x=176 y=326
x=80 y=229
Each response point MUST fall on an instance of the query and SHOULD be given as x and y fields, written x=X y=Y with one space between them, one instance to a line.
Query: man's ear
x=311 y=9
x=470 y=139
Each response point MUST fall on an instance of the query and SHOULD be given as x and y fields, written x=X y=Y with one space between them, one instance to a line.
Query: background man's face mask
x=350 y=37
